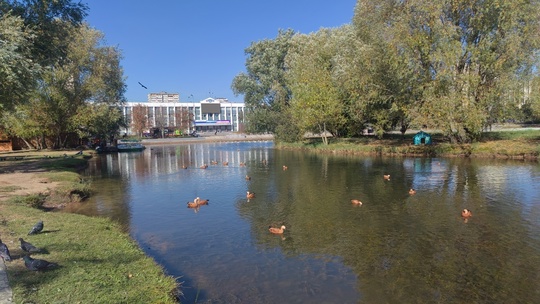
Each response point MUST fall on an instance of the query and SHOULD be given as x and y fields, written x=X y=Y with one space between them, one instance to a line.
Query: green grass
x=10 y=188
x=99 y=263
x=501 y=144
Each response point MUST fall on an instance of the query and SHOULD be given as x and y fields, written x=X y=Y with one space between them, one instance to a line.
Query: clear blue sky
x=196 y=47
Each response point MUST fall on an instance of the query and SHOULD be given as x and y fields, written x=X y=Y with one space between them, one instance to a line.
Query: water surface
x=395 y=248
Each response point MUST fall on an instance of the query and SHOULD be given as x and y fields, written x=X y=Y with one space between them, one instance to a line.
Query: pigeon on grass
x=37 y=228
x=4 y=252
x=37 y=264
x=28 y=247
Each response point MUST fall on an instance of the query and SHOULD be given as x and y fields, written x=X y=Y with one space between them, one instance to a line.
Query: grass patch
x=524 y=144
x=9 y=188
x=32 y=200
x=99 y=263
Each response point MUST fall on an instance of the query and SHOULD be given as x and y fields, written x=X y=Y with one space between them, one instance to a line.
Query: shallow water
x=395 y=248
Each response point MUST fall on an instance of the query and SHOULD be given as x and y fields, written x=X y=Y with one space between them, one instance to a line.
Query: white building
x=208 y=115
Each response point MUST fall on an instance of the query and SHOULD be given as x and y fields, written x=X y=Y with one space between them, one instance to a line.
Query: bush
x=32 y=200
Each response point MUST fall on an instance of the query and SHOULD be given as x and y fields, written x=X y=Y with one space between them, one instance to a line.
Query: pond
x=394 y=248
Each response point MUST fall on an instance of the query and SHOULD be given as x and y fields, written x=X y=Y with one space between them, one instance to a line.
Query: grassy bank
x=98 y=262
x=500 y=144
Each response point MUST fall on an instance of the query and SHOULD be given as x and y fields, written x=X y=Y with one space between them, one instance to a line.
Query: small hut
x=422 y=138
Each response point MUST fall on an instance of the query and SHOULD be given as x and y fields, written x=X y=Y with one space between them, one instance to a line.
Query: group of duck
x=29 y=262
x=197 y=202
x=465 y=213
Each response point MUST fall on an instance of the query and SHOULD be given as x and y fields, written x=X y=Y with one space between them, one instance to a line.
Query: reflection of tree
x=111 y=199
x=403 y=249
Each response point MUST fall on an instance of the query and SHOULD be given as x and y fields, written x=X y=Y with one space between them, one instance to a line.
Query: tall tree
x=315 y=103
x=51 y=22
x=466 y=56
x=139 y=119
x=263 y=84
x=183 y=119
x=18 y=72
x=90 y=72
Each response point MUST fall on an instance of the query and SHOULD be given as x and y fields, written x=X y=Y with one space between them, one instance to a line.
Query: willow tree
x=467 y=55
x=263 y=85
x=315 y=103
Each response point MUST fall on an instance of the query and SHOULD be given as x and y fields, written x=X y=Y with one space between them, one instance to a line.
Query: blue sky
x=196 y=47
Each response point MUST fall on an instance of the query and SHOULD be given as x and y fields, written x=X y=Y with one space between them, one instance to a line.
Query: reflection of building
x=208 y=115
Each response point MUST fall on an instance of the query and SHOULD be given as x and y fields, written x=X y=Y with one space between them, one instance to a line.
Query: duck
x=277 y=230
x=386 y=176
x=356 y=202
x=192 y=205
x=214 y=162
x=466 y=213
x=285 y=168
x=204 y=166
x=201 y=202
x=250 y=195
x=412 y=191
x=242 y=164
x=184 y=167
x=225 y=163
x=248 y=177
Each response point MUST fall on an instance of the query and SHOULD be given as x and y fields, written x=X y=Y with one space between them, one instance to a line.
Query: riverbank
x=522 y=144
x=505 y=143
x=99 y=262
x=207 y=137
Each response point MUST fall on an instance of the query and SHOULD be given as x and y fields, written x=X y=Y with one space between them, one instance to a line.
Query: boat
x=129 y=145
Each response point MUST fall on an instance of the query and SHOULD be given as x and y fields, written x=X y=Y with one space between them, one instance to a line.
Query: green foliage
x=98 y=119
x=51 y=22
x=18 y=71
x=263 y=86
x=91 y=74
x=315 y=104
x=32 y=200
x=456 y=66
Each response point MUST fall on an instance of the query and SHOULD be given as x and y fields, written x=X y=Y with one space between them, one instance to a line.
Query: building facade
x=175 y=117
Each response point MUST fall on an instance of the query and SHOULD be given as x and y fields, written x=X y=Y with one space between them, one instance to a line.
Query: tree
x=51 y=22
x=99 y=119
x=466 y=56
x=183 y=119
x=18 y=72
x=139 y=119
x=263 y=85
x=315 y=103
x=91 y=72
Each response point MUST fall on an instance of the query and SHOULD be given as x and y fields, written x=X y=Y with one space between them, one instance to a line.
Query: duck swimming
x=356 y=202
x=466 y=213
x=386 y=176
x=412 y=191
x=250 y=195
x=277 y=230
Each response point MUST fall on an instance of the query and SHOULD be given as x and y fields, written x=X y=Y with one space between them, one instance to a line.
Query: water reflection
x=395 y=248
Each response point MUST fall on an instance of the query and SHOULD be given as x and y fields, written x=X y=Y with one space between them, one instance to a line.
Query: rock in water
x=28 y=247
x=37 y=228
x=37 y=264
x=4 y=252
